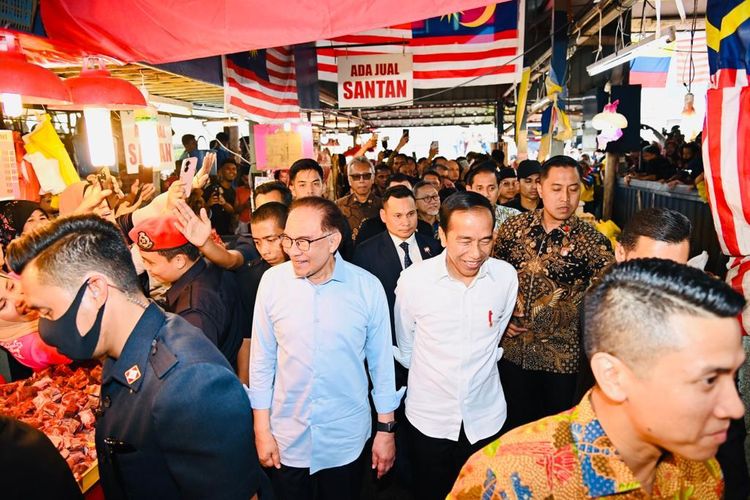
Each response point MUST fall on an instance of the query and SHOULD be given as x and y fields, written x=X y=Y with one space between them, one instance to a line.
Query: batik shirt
x=554 y=271
x=356 y=211
x=569 y=456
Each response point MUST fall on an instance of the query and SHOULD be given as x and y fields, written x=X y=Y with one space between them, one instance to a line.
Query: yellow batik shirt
x=568 y=456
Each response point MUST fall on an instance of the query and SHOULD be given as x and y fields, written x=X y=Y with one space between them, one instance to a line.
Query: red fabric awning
x=159 y=31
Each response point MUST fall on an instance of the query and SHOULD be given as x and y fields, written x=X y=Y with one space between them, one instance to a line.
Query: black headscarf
x=13 y=216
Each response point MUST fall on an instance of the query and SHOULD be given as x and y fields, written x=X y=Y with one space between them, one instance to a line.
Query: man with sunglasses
x=361 y=203
x=317 y=319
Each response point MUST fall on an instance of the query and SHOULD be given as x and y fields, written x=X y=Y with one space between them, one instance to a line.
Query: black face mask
x=63 y=333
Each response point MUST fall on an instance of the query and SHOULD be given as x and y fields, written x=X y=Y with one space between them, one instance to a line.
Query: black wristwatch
x=387 y=427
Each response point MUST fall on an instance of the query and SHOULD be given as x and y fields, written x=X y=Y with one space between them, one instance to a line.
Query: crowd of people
x=450 y=324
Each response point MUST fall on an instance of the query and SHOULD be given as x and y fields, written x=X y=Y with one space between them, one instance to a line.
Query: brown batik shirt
x=356 y=211
x=554 y=271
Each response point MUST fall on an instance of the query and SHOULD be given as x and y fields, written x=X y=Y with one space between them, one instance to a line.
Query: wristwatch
x=387 y=427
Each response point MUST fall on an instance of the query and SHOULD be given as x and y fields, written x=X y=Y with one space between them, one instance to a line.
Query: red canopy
x=159 y=31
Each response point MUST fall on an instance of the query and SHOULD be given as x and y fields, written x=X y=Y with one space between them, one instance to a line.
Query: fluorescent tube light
x=630 y=52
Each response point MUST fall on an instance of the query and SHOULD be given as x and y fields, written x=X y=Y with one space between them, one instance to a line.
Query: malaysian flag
x=261 y=85
x=700 y=73
x=726 y=132
x=450 y=50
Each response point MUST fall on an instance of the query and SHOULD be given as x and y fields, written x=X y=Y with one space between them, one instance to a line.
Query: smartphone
x=106 y=182
x=434 y=145
x=406 y=132
x=187 y=172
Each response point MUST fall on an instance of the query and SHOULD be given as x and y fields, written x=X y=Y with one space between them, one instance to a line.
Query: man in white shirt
x=450 y=314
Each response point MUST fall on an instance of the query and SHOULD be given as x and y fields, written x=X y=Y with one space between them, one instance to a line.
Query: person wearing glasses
x=428 y=204
x=361 y=203
x=317 y=319
x=204 y=294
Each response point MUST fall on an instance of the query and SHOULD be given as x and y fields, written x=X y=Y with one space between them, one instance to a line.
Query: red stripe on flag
x=465 y=56
x=743 y=151
x=288 y=77
x=343 y=53
x=464 y=73
x=360 y=39
x=251 y=92
x=250 y=75
x=740 y=266
x=330 y=68
x=463 y=39
x=714 y=125
x=647 y=79
x=271 y=115
x=284 y=63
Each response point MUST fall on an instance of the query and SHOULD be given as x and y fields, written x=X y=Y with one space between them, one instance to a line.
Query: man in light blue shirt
x=317 y=318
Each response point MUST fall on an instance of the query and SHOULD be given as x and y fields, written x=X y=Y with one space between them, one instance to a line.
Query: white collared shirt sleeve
x=404 y=324
x=378 y=354
x=262 y=352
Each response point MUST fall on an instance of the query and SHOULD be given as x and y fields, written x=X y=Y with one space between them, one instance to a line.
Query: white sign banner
x=133 y=157
x=376 y=80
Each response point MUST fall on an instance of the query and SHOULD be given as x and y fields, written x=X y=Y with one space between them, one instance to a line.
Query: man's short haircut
x=559 y=161
x=187 y=138
x=302 y=165
x=487 y=167
x=228 y=162
x=651 y=148
x=66 y=249
x=692 y=146
x=188 y=250
x=431 y=171
x=463 y=201
x=660 y=224
x=399 y=177
x=273 y=210
x=382 y=167
x=398 y=192
x=419 y=185
x=268 y=187
x=359 y=160
x=402 y=156
x=627 y=312
x=332 y=217
x=436 y=159
x=222 y=137
x=498 y=156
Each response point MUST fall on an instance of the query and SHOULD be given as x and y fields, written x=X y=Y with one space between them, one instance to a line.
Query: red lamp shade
x=35 y=84
x=96 y=87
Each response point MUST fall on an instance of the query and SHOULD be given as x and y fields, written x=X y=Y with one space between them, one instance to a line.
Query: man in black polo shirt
x=267 y=227
x=528 y=177
x=205 y=295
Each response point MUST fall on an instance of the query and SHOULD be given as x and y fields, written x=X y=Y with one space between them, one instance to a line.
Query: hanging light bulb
x=146 y=120
x=12 y=105
x=100 y=140
x=688 y=110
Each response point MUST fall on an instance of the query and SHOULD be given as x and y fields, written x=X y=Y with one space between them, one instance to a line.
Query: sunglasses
x=360 y=177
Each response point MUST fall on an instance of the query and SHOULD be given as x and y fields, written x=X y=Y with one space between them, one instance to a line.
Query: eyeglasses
x=360 y=177
x=433 y=197
x=302 y=243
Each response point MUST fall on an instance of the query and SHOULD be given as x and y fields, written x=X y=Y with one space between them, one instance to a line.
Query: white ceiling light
x=631 y=51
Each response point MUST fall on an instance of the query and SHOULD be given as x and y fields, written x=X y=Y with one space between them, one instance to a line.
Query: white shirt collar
x=411 y=240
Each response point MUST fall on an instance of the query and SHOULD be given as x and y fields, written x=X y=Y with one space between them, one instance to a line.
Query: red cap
x=157 y=233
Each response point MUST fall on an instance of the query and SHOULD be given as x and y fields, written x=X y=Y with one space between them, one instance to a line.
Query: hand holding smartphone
x=187 y=172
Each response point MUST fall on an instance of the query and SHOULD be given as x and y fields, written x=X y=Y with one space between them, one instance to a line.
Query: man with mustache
x=556 y=256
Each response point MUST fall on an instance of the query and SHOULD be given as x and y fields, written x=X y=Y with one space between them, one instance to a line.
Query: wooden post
x=610 y=176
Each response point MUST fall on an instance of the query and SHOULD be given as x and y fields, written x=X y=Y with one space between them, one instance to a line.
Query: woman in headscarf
x=19 y=330
x=18 y=217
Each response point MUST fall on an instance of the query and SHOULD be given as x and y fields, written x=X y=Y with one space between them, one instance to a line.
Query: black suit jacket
x=379 y=256
x=374 y=226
